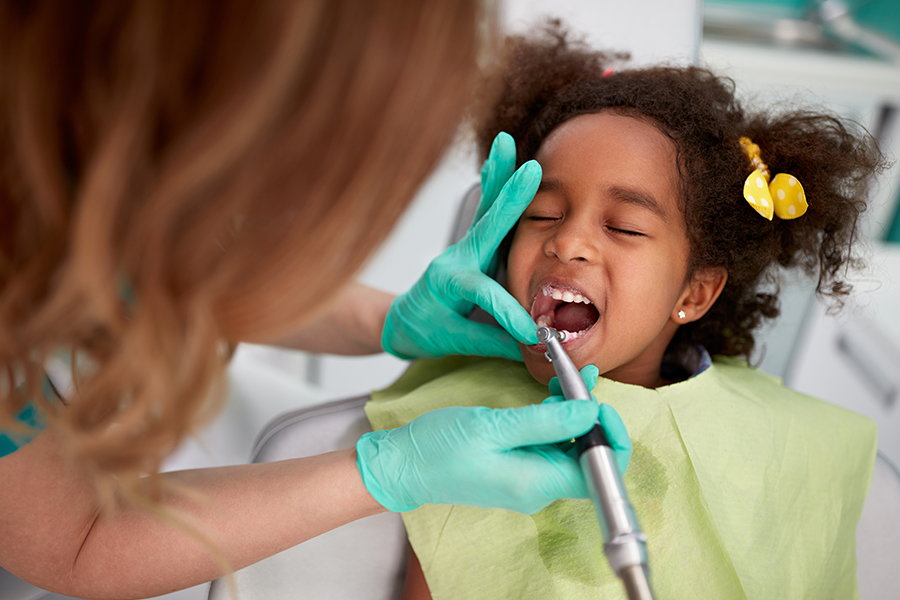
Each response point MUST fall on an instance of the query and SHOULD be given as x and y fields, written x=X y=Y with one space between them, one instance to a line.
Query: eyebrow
x=619 y=194
x=549 y=185
x=639 y=198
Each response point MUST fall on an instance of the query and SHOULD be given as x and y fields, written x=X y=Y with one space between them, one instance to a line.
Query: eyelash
x=626 y=232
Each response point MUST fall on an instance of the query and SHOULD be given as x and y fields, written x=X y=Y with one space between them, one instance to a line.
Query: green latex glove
x=430 y=319
x=477 y=456
x=609 y=419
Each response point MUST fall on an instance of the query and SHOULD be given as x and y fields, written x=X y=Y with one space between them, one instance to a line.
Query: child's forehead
x=610 y=140
x=615 y=126
x=614 y=156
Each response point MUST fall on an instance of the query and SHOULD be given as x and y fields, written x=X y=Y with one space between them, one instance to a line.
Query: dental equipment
x=624 y=543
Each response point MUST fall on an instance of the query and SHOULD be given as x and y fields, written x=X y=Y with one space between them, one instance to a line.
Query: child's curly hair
x=550 y=79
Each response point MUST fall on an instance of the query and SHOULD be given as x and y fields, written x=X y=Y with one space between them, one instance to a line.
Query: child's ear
x=699 y=296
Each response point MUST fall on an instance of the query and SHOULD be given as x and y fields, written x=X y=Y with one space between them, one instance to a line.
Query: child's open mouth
x=564 y=309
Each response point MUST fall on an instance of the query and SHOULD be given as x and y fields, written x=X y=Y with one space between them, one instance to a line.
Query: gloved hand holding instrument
x=476 y=456
x=612 y=423
x=430 y=320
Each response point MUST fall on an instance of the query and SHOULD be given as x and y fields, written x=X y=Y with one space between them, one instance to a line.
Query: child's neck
x=643 y=371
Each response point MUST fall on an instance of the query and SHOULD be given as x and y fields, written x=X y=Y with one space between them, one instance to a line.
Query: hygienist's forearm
x=250 y=513
x=352 y=324
x=57 y=539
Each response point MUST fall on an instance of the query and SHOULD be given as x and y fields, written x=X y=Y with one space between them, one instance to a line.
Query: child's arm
x=416 y=587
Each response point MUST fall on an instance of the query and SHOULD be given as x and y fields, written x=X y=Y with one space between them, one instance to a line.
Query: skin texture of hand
x=430 y=319
x=609 y=419
x=476 y=456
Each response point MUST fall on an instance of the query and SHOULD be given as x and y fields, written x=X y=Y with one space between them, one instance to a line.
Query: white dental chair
x=363 y=559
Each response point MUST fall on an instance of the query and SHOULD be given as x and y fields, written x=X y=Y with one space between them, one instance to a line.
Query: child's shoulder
x=430 y=384
x=745 y=384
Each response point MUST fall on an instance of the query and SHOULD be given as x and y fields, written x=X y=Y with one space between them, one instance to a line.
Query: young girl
x=652 y=240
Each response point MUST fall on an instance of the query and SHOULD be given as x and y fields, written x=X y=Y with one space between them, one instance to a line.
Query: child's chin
x=539 y=367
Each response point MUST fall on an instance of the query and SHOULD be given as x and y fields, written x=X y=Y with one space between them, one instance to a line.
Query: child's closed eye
x=628 y=232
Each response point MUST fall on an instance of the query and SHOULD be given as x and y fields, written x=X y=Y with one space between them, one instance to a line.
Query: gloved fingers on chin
x=590 y=374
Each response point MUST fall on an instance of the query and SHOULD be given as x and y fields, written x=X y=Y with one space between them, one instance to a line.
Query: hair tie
x=783 y=197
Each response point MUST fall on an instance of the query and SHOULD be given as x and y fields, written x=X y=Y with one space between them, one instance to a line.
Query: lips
x=565 y=309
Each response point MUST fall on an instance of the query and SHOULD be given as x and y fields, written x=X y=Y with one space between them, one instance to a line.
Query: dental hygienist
x=178 y=177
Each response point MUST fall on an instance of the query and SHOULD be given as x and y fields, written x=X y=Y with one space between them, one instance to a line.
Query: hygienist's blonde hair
x=176 y=177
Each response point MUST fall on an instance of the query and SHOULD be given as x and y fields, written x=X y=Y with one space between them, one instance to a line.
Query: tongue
x=575 y=317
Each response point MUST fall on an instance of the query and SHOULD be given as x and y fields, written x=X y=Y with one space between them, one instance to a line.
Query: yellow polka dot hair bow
x=783 y=197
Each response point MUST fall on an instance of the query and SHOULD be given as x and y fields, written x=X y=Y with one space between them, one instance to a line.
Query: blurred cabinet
x=853 y=359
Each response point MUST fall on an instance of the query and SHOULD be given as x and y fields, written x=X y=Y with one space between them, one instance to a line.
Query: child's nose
x=572 y=242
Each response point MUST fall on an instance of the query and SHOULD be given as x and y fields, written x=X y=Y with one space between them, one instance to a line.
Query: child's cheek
x=517 y=273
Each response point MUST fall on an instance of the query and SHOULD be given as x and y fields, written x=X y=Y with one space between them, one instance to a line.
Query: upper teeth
x=565 y=295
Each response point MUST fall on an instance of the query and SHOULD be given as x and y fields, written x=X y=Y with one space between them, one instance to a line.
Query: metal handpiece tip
x=545 y=333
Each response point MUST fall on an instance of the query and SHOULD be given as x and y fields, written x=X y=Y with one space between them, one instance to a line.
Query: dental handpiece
x=624 y=543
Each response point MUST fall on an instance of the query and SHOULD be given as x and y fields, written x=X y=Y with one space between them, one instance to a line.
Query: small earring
x=681 y=314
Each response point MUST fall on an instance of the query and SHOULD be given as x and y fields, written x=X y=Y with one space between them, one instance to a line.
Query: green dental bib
x=744 y=488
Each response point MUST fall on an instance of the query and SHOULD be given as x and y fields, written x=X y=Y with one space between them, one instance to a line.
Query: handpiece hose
x=624 y=543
